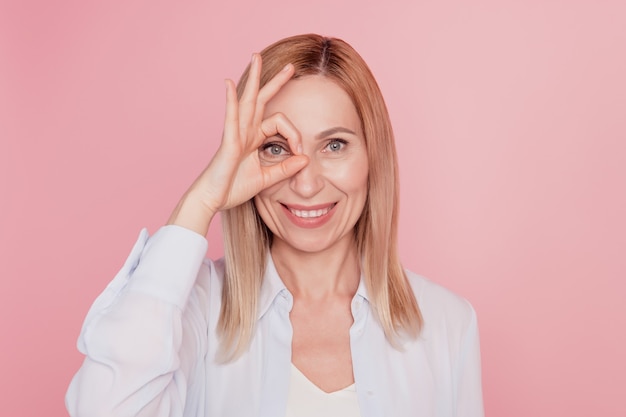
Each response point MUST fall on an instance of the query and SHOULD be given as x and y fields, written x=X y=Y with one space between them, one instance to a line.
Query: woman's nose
x=309 y=180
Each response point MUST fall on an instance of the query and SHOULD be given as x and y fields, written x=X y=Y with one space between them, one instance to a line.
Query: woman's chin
x=310 y=245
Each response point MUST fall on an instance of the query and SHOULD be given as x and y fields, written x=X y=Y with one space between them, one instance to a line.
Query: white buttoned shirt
x=150 y=344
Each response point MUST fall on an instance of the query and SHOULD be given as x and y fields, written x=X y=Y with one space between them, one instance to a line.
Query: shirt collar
x=271 y=286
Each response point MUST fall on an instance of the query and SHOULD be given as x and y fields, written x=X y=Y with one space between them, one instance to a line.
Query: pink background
x=511 y=128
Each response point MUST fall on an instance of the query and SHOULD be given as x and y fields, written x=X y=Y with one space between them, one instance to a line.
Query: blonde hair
x=246 y=238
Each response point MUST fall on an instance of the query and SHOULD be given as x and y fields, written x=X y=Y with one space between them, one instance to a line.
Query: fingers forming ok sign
x=236 y=174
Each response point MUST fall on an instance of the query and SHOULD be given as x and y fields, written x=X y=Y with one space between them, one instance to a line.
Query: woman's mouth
x=310 y=213
x=308 y=217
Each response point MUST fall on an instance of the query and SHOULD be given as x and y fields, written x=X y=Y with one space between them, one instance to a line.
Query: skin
x=298 y=144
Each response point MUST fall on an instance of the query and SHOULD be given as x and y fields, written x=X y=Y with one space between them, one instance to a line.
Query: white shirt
x=150 y=344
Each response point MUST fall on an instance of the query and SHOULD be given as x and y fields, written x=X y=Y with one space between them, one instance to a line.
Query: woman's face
x=319 y=206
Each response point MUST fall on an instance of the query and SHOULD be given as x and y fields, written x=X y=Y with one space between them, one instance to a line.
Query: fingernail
x=299 y=148
x=286 y=68
x=253 y=58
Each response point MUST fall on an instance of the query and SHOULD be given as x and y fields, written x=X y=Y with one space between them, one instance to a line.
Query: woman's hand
x=235 y=173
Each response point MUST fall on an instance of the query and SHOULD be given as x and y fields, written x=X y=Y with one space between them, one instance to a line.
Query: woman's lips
x=309 y=216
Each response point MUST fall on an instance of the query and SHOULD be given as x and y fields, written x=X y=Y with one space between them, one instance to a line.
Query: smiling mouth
x=310 y=214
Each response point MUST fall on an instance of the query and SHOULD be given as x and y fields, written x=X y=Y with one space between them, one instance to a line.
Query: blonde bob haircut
x=247 y=239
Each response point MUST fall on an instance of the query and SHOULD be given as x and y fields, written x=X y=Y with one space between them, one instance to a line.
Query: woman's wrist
x=192 y=215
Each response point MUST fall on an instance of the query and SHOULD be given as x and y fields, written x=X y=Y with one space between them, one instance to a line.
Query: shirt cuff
x=169 y=264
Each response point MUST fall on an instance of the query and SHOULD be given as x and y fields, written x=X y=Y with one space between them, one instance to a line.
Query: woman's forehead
x=315 y=103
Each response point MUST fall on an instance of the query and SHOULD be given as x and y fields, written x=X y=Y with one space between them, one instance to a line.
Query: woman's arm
x=143 y=339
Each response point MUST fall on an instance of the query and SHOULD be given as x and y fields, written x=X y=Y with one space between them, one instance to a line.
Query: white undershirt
x=306 y=399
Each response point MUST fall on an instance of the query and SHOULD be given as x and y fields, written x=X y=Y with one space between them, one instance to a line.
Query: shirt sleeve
x=468 y=373
x=142 y=336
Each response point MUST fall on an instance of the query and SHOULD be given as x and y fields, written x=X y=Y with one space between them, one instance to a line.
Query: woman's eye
x=336 y=145
x=274 y=150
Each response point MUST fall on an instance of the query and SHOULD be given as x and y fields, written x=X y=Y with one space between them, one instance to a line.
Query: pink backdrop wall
x=511 y=128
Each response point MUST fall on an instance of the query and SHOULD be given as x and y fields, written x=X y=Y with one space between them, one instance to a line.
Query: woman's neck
x=335 y=271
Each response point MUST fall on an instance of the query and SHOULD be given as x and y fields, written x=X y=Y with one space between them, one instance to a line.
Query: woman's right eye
x=273 y=150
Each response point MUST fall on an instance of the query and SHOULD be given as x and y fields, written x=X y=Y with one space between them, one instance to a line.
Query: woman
x=310 y=312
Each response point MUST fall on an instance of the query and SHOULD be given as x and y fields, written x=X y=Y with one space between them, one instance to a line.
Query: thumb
x=285 y=169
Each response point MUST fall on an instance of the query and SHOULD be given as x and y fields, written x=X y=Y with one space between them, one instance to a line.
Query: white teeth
x=305 y=214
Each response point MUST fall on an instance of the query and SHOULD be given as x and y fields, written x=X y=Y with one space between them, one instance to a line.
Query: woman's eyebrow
x=332 y=131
